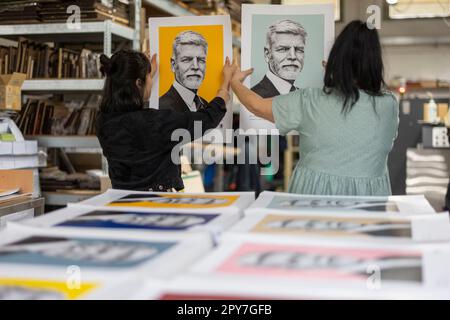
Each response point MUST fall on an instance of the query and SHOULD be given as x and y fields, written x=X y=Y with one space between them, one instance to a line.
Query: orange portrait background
x=213 y=35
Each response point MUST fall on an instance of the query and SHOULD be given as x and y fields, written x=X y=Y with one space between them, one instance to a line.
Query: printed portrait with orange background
x=213 y=35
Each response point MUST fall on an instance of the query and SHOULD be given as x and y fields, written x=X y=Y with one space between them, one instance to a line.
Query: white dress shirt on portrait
x=186 y=94
x=281 y=85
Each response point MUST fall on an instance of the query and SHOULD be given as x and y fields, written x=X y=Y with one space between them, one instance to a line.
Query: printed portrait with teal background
x=312 y=73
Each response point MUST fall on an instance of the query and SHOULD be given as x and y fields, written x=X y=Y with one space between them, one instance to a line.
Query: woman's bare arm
x=253 y=102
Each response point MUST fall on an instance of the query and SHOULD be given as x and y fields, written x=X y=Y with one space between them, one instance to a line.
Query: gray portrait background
x=312 y=73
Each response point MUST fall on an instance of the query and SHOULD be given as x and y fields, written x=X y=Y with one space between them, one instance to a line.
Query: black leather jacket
x=138 y=146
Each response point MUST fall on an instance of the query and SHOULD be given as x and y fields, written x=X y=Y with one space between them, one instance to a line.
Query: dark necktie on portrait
x=198 y=102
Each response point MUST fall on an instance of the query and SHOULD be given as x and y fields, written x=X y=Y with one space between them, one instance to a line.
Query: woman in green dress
x=347 y=128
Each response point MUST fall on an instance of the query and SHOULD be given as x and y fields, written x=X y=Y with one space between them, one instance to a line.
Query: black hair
x=355 y=63
x=120 y=92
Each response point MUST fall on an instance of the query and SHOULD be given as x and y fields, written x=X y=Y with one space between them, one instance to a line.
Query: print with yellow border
x=58 y=287
x=229 y=200
x=213 y=35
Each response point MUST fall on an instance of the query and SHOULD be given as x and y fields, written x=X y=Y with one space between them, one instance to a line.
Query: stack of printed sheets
x=148 y=245
x=109 y=246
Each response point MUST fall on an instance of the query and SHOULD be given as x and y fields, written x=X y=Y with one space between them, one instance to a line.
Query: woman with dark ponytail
x=135 y=139
x=347 y=128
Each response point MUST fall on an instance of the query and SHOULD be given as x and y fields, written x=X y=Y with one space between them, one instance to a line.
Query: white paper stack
x=91 y=259
x=242 y=287
x=327 y=268
x=285 y=246
x=21 y=284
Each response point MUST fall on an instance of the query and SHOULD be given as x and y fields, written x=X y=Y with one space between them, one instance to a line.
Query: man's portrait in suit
x=284 y=54
x=188 y=63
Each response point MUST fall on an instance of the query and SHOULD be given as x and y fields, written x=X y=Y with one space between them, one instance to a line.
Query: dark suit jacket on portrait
x=172 y=100
x=265 y=88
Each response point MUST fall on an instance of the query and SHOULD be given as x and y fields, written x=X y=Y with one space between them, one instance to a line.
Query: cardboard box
x=442 y=111
x=19 y=148
x=10 y=90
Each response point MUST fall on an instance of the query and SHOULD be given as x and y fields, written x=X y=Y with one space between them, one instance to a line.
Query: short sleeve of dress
x=395 y=116
x=288 y=110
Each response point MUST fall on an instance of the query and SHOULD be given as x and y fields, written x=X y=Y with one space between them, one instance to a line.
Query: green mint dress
x=340 y=154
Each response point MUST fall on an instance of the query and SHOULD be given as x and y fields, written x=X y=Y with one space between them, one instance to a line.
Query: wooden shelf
x=60 y=31
x=52 y=85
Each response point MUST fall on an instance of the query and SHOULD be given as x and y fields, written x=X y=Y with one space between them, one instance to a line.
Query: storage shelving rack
x=105 y=32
